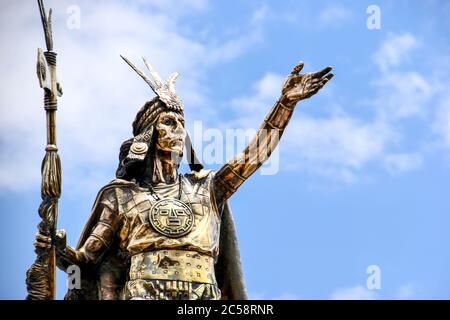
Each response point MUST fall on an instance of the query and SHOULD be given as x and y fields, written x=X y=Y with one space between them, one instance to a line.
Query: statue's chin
x=178 y=152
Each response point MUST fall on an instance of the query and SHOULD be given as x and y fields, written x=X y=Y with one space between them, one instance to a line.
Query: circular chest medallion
x=171 y=217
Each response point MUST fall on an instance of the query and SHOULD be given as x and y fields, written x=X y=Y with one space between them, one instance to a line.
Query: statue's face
x=171 y=133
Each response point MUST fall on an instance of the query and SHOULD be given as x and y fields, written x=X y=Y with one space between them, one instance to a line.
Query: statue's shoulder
x=118 y=184
x=117 y=189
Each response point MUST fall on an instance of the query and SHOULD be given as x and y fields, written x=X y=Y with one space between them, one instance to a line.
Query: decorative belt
x=171 y=264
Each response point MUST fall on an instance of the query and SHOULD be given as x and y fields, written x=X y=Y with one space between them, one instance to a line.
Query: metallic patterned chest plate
x=171 y=217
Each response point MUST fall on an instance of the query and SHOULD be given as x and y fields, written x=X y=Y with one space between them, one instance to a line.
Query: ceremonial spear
x=41 y=282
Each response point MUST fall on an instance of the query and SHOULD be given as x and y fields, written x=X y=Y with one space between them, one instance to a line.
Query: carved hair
x=145 y=120
x=147 y=115
x=129 y=169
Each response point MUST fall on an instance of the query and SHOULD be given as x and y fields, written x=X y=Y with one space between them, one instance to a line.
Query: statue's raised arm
x=296 y=87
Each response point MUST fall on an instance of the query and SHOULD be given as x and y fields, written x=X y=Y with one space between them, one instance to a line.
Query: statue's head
x=158 y=129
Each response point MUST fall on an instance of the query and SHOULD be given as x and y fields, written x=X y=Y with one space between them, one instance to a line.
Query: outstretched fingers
x=328 y=77
x=317 y=85
x=325 y=79
x=321 y=73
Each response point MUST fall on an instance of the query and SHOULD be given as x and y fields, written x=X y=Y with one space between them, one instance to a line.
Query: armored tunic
x=163 y=266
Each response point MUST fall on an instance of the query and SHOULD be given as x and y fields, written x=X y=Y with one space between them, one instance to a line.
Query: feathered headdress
x=165 y=90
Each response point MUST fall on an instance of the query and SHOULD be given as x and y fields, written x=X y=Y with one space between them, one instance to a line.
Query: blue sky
x=364 y=169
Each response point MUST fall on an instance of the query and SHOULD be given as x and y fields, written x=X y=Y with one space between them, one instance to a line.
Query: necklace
x=155 y=195
x=171 y=217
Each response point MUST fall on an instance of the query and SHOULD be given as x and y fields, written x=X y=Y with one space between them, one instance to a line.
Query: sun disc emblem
x=171 y=217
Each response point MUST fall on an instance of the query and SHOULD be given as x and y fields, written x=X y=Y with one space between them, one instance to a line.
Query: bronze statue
x=157 y=234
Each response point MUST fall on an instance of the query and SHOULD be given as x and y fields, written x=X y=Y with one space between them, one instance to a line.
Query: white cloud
x=245 y=39
x=354 y=293
x=402 y=95
x=405 y=292
x=264 y=92
x=334 y=15
x=101 y=93
x=395 y=50
x=175 y=6
x=337 y=146
x=403 y=162
x=340 y=140
x=288 y=296
x=260 y=15
x=262 y=295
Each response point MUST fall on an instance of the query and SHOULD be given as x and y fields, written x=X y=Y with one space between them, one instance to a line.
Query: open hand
x=302 y=86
